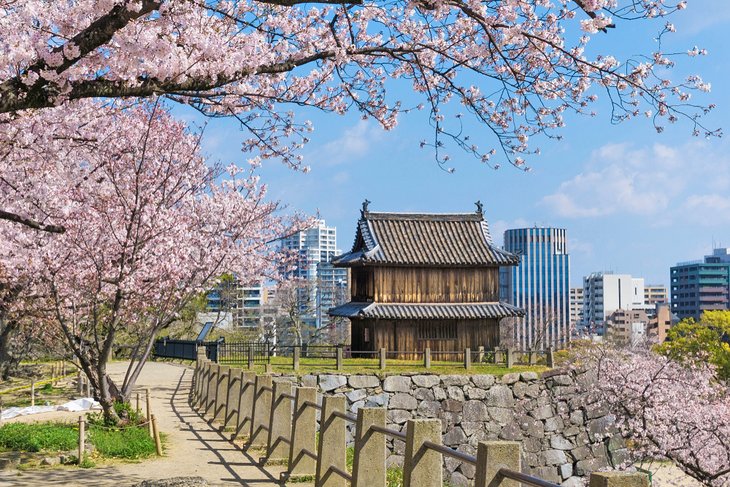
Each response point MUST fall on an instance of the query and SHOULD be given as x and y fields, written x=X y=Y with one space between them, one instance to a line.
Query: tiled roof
x=460 y=239
x=425 y=311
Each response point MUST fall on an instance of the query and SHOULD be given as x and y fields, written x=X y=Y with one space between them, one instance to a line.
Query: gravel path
x=194 y=448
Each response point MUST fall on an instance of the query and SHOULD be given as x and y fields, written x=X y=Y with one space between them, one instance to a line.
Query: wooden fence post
x=422 y=466
x=467 y=358
x=339 y=357
x=493 y=455
x=261 y=412
x=156 y=435
x=427 y=358
x=532 y=357
x=497 y=355
x=221 y=394
x=32 y=392
x=149 y=414
x=480 y=354
x=280 y=422
x=303 y=436
x=382 y=359
x=82 y=438
x=233 y=399
x=368 y=468
x=250 y=357
x=296 y=357
x=510 y=358
x=618 y=479
x=332 y=452
x=245 y=403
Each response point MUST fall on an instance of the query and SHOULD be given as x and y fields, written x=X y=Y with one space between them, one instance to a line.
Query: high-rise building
x=576 y=307
x=316 y=246
x=232 y=304
x=655 y=294
x=701 y=285
x=604 y=293
x=539 y=284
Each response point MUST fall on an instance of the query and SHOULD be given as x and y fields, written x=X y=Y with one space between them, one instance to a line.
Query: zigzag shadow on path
x=208 y=444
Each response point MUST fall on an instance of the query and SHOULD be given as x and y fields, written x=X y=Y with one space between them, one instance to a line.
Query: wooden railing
x=253 y=354
x=281 y=420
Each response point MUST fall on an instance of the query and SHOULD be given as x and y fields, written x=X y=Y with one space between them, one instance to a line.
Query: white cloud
x=354 y=143
x=641 y=181
x=708 y=209
x=497 y=228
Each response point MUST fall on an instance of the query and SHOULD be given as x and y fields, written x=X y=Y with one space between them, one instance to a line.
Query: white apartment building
x=316 y=247
x=604 y=293
x=576 y=307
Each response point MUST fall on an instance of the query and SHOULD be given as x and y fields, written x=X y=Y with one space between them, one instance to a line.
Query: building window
x=441 y=331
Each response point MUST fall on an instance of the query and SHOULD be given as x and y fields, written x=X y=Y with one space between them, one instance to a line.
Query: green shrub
x=130 y=443
x=35 y=437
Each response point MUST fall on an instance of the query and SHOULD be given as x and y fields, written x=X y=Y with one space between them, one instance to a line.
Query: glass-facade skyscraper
x=539 y=284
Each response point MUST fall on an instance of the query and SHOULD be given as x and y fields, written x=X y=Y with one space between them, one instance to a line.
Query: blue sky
x=632 y=200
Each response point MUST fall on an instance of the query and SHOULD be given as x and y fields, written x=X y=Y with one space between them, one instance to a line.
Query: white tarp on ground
x=82 y=404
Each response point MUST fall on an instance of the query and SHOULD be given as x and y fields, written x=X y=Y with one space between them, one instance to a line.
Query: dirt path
x=194 y=448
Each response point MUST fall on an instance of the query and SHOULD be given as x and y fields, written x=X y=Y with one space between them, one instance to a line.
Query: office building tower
x=655 y=294
x=701 y=285
x=539 y=284
x=576 y=307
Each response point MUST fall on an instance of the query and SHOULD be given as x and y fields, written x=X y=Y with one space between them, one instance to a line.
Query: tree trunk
x=8 y=363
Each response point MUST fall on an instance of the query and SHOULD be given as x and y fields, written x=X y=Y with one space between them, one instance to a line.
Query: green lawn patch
x=35 y=437
x=131 y=443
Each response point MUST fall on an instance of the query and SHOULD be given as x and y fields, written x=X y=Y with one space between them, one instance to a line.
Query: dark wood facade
x=424 y=281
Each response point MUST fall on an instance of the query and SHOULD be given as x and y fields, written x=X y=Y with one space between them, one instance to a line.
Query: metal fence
x=186 y=349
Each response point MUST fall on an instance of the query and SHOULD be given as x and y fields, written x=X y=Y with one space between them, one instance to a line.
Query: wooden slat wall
x=425 y=284
x=402 y=336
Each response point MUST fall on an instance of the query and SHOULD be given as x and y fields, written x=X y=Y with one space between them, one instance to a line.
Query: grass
x=131 y=443
x=35 y=437
x=371 y=366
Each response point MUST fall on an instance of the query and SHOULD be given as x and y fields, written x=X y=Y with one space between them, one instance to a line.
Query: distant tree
x=295 y=306
x=663 y=408
x=545 y=329
x=706 y=341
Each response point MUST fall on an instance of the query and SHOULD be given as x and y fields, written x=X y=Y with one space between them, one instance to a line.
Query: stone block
x=424 y=394
x=428 y=380
x=356 y=395
x=455 y=393
x=363 y=381
x=500 y=396
x=500 y=415
x=483 y=381
x=428 y=409
x=329 y=383
x=309 y=381
x=398 y=416
x=452 y=406
x=472 y=427
x=529 y=376
x=554 y=424
x=510 y=378
x=439 y=393
x=455 y=437
x=475 y=393
x=559 y=442
x=377 y=400
x=356 y=406
x=543 y=412
x=566 y=470
x=397 y=383
x=474 y=411
x=403 y=401
x=458 y=479
x=454 y=380
x=555 y=457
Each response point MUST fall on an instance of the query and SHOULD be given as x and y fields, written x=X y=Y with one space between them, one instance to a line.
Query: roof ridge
x=372 y=215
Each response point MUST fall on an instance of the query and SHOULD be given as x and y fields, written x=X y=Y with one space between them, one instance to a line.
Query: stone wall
x=562 y=438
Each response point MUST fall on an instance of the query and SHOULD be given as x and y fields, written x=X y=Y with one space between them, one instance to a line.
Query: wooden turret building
x=424 y=281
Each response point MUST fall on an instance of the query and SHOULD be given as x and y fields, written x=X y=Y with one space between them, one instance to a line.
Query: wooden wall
x=407 y=336
x=425 y=284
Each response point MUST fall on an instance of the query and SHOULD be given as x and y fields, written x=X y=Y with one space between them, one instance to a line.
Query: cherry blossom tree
x=515 y=66
x=146 y=226
x=665 y=409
